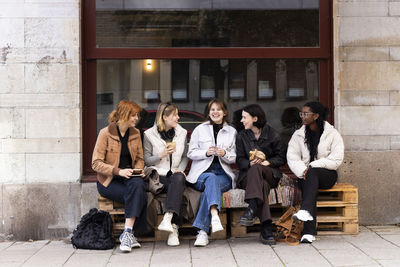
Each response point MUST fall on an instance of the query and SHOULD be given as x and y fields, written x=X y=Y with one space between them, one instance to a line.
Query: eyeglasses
x=305 y=114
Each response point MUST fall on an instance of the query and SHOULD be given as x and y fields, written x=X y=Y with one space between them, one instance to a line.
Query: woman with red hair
x=118 y=161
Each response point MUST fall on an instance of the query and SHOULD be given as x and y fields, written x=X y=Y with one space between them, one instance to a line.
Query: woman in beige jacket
x=118 y=161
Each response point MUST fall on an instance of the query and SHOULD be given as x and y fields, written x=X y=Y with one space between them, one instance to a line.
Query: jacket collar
x=178 y=130
x=224 y=128
x=112 y=129
x=264 y=133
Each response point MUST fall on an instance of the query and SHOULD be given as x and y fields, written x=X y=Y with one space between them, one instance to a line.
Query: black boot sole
x=246 y=222
x=267 y=241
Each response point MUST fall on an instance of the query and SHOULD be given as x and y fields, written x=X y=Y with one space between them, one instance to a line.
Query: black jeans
x=315 y=178
x=174 y=185
x=132 y=193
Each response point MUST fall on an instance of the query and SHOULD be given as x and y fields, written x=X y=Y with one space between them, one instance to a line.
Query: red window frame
x=90 y=54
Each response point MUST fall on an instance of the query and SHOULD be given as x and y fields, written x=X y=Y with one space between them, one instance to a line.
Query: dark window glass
x=280 y=86
x=159 y=23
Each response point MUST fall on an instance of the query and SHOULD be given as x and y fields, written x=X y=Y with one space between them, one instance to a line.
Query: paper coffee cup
x=171 y=145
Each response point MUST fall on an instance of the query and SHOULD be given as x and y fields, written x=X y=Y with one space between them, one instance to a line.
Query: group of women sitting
x=314 y=153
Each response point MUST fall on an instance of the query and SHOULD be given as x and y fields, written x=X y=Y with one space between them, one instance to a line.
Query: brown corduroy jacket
x=107 y=151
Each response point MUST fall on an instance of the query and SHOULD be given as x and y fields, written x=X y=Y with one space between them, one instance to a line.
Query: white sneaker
x=216 y=224
x=173 y=238
x=165 y=224
x=307 y=239
x=303 y=215
x=201 y=240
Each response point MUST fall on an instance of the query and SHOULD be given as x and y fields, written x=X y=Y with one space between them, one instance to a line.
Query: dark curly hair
x=312 y=138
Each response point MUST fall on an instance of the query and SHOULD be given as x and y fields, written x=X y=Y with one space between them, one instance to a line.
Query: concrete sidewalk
x=373 y=246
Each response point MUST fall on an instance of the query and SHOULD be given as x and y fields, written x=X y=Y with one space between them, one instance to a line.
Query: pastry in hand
x=257 y=154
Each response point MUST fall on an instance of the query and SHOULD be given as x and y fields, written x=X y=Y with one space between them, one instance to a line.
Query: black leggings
x=316 y=178
x=132 y=193
x=174 y=185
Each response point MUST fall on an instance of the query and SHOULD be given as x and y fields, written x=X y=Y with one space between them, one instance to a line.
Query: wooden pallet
x=337 y=210
x=337 y=213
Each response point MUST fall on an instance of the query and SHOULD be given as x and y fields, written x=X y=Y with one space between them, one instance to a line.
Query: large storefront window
x=213 y=23
x=273 y=53
x=275 y=84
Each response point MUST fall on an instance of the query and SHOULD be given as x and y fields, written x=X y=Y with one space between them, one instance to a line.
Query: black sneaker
x=248 y=217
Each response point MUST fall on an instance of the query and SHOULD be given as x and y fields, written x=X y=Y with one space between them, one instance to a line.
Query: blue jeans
x=213 y=182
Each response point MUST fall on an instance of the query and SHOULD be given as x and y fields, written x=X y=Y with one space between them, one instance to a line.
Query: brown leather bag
x=288 y=229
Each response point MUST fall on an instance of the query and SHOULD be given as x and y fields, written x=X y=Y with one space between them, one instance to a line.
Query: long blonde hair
x=125 y=109
x=164 y=109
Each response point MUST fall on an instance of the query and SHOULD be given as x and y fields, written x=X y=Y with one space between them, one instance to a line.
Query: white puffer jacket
x=201 y=139
x=330 y=151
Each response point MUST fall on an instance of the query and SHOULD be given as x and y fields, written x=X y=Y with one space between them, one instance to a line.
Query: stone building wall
x=367 y=101
x=40 y=116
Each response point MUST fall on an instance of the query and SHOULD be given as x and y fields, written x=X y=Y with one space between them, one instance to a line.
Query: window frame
x=323 y=53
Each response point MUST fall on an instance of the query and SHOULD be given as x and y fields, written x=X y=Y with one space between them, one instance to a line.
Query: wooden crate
x=337 y=210
x=187 y=231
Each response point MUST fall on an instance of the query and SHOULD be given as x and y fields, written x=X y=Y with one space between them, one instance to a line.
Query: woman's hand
x=126 y=173
x=211 y=151
x=220 y=152
x=256 y=161
x=265 y=163
x=167 y=151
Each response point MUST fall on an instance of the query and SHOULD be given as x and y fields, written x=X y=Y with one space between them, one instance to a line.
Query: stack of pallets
x=338 y=210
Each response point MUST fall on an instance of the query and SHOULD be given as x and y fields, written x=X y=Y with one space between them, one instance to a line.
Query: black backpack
x=94 y=231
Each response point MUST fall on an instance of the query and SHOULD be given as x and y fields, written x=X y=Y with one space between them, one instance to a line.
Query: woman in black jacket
x=260 y=172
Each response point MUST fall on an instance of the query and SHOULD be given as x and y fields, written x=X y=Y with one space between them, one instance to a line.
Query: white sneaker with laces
x=216 y=224
x=307 y=239
x=165 y=224
x=303 y=215
x=201 y=240
x=173 y=238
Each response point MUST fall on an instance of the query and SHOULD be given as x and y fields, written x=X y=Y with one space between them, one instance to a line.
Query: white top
x=201 y=139
x=329 y=156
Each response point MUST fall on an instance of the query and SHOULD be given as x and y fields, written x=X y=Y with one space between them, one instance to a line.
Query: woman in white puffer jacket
x=315 y=152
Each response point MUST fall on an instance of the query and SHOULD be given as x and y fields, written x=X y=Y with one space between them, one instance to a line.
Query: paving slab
x=348 y=257
x=394 y=239
x=301 y=255
x=385 y=229
x=369 y=240
x=383 y=253
x=141 y=256
x=389 y=263
x=180 y=254
x=88 y=259
x=19 y=252
x=4 y=245
x=54 y=254
x=217 y=253
x=331 y=242
x=250 y=252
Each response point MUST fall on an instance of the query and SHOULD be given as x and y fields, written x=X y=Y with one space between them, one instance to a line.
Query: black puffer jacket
x=269 y=142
